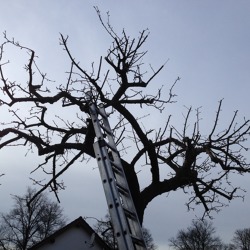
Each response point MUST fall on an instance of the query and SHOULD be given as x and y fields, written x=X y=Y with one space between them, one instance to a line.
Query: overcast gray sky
x=206 y=43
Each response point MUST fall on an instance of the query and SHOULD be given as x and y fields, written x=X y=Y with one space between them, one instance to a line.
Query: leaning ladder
x=124 y=218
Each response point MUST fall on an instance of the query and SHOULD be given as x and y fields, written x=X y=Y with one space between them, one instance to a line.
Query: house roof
x=79 y=222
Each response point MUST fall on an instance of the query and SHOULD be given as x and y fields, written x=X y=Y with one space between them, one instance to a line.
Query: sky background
x=206 y=43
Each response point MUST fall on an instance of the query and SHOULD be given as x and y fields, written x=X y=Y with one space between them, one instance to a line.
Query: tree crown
x=199 y=164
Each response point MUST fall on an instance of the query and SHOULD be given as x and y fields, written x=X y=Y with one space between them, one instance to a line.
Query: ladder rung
x=130 y=214
x=117 y=169
x=114 y=164
x=122 y=189
x=103 y=143
x=111 y=147
x=106 y=130
x=137 y=241
x=101 y=111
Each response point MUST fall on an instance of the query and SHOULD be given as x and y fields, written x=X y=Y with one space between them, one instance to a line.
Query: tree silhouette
x=199 y=236
x=28 y=222
x=241 y=239
x=185 y=159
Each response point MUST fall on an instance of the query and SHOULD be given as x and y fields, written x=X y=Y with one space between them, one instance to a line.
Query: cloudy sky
x=206 y=43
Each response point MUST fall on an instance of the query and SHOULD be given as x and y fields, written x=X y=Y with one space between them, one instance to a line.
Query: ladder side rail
x=118 y=217
x=113 y=200
x=127 y=227
x=122 y=180
x=94 y=118
x=114 y=151
x=128 y=202
x=121 y=177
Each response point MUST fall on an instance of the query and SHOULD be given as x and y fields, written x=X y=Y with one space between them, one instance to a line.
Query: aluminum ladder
x=127 y=228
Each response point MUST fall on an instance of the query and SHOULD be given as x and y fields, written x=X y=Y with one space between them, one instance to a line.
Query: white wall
x=74 y=238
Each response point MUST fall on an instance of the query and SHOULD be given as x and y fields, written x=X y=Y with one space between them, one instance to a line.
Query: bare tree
x=229 y=246
x=201 y=165
x=105 y=230
x=241 y=239
x=4 y=245
x=199 y=236
x=30 y=222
